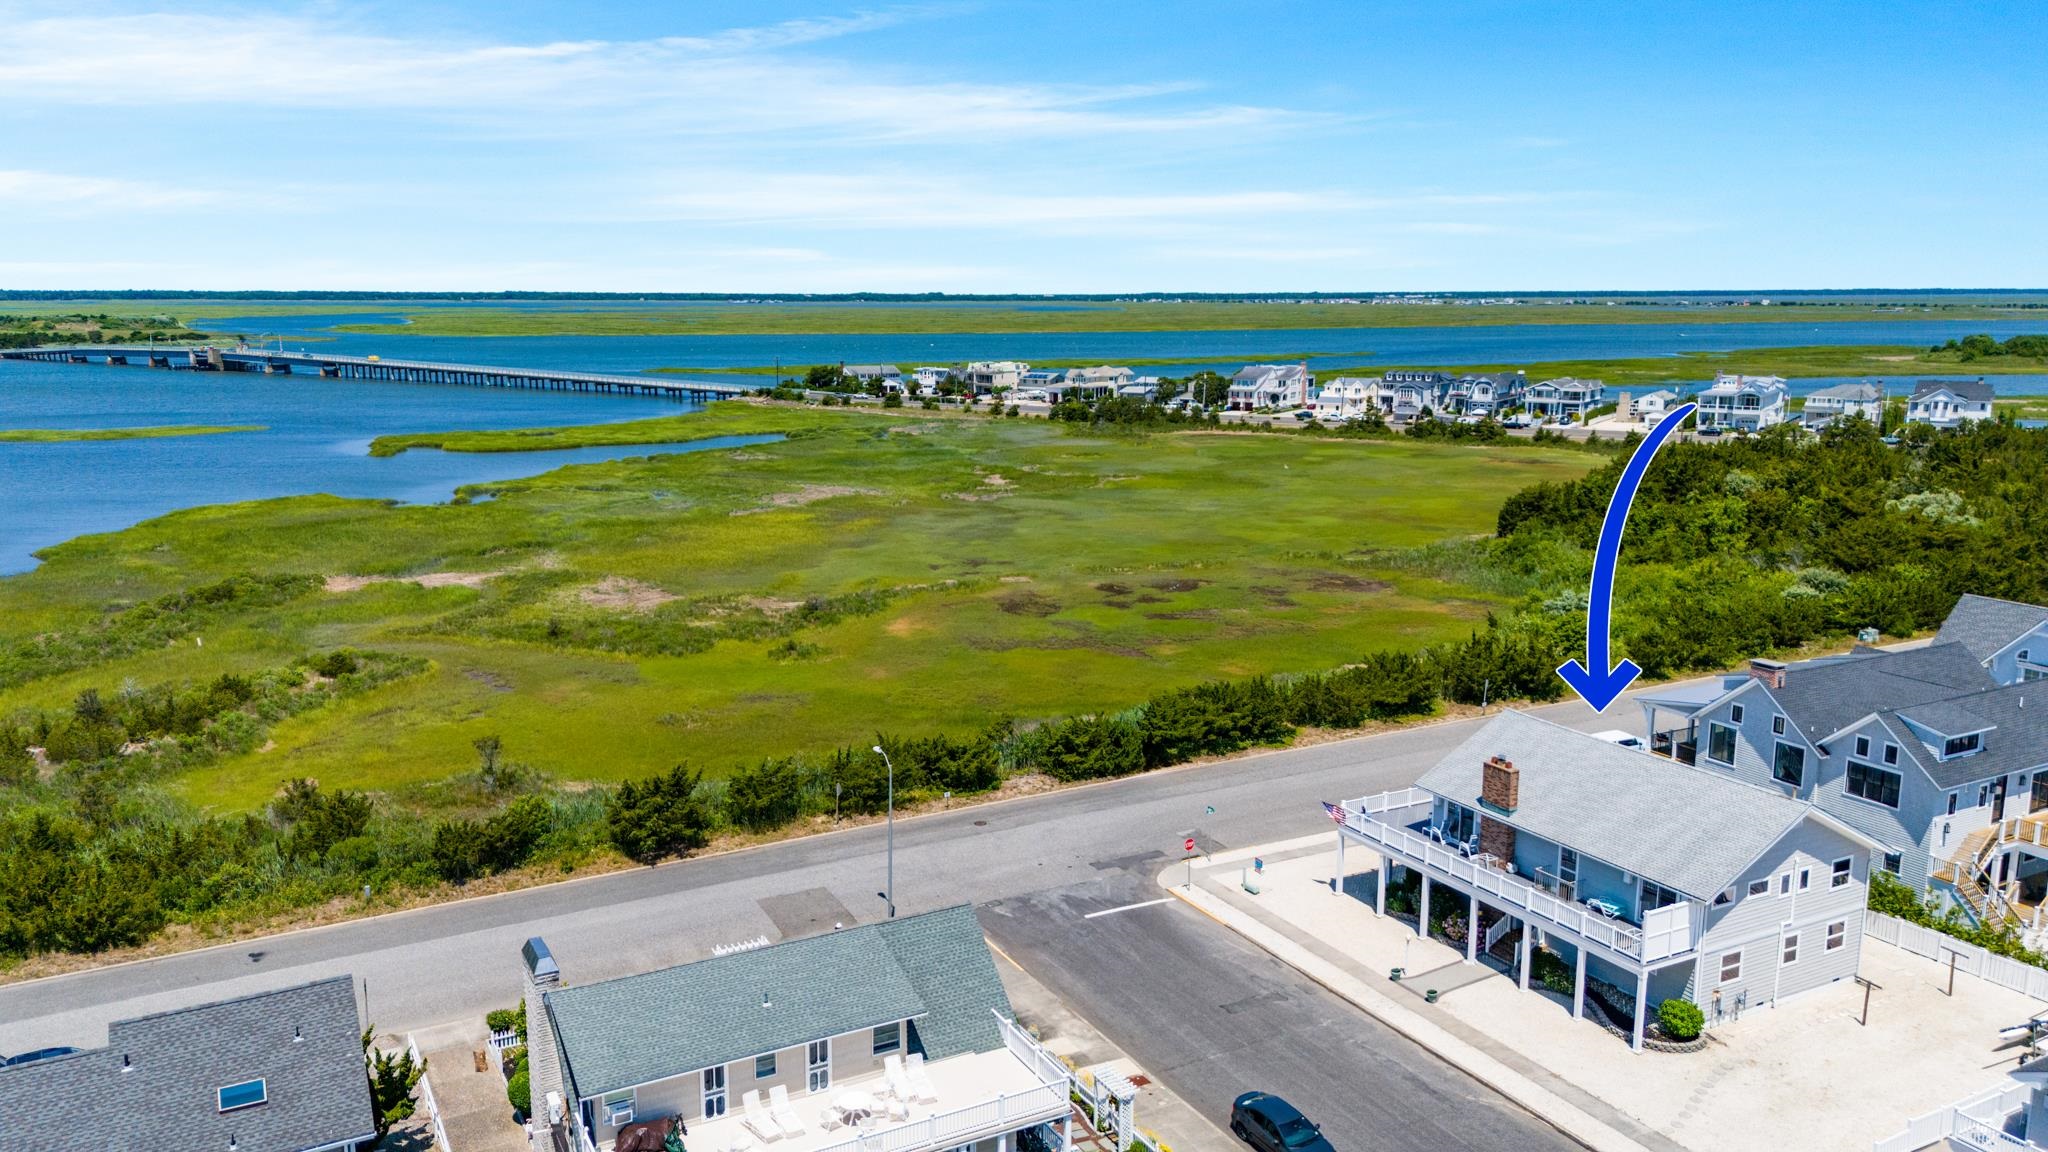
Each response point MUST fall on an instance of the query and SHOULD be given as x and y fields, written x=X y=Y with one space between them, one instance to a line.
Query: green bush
x=765 y=795
x=662 y=815
x=519 y=1090
x=1680 y=1019
x=504 y=1019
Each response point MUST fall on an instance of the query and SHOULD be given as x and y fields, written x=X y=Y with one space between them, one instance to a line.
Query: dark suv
x=1270 y=1124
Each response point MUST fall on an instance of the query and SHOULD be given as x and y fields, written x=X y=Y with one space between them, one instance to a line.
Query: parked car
x=1304 y=415
x=1270 y=1124
x=1617 y=736
x=1521 y=420
x=38 y=1054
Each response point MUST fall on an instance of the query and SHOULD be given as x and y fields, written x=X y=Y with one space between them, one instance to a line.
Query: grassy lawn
x=872 y=571
x=67 y=435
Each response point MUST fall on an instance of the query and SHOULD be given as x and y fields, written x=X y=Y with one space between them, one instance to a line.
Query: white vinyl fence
x=427 y=1098
x=1969 y=959
x=1977 y=1122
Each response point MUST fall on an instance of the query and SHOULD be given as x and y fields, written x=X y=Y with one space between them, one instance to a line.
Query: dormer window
x=247 y=1094
x=1958 y=746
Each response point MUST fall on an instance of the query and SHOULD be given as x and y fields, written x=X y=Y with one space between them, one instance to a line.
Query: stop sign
x=1188 y=844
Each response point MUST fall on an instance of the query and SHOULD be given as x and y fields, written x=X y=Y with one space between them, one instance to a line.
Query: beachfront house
x=1736 y=403
x=1099 y=381
x=1350 y=397
x=930 y=377
x=893 y=1035
x=1485 y=394
x=1642 y=878
x=890 y=376
x=2009 y=639
x=277 y=1071
x=988 y=376
x=1650 y=408
x=1828 y=405
x=1949 y=403
x=1565 y=400
x=1270 y=387
x=1048 y=384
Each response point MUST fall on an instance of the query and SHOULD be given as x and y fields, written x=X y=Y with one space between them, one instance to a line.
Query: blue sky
x=1022 y=145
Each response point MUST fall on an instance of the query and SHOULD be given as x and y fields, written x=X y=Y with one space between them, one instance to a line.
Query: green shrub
x=1680 y=1019
x=765 y=795
x=503 y=1019
x=519 y=1090
x=662 y=815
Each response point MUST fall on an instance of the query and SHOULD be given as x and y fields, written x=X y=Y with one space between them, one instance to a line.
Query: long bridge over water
x=211 y=359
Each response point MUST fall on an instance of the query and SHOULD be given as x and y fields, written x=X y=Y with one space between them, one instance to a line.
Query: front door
x=714 y=1092
x=1998 y=800
x=1567 y=874
x=818 y=1058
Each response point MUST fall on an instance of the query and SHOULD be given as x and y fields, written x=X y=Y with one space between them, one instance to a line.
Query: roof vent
x=298 y=1035
x=766 y=1003
x=125 y=1065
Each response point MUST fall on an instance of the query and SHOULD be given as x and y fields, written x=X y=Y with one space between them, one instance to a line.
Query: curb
x=1567 y=1118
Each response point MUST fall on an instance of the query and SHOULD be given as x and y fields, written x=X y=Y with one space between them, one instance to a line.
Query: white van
x=1617 y=736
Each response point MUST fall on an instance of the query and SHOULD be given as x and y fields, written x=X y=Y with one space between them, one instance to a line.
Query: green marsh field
x=71 y=435
x=869 y=572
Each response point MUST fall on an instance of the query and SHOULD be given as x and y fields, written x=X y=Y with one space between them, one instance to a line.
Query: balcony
x=1680 y=744
x=1397 y=822
x=980 y=1094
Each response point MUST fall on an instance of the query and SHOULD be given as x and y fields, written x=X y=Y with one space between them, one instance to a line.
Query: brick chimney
x=1500 y=785
x=1771 y=672
x=544 y=1070
x=1500 y=788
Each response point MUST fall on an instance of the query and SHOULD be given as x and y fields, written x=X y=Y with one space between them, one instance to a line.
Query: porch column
x=1386 y=878
x=1527 y=950
x=1067 y=1132
x=1642 y=993
x=1422 y=912
x=1003 y=1142
x=1579 y=984
x=1472 y=930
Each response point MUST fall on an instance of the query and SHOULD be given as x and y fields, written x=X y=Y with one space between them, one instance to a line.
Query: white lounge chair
x=828 y=1118
x=756 y=1117
x=899 y=1108
x=785 y=1116
x=899 y=1084
x=920 y=1080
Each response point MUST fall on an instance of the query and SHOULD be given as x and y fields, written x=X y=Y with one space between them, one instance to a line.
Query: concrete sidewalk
x=1807 y=1073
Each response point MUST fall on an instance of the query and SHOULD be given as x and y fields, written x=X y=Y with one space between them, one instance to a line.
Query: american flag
x=1337 y=814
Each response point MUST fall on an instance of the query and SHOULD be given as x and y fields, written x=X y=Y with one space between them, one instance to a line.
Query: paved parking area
x=1806 y=1073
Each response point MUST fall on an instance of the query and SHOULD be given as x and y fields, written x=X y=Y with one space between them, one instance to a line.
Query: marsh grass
x=74 y=435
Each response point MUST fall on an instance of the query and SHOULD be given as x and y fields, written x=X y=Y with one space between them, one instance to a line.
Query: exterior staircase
x=1968 y=869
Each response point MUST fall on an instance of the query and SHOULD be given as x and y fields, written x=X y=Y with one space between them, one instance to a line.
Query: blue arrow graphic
x=1593 y=680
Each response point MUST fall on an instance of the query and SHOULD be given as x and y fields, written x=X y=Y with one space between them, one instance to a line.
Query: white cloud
x=731 y=83
x=60 y=192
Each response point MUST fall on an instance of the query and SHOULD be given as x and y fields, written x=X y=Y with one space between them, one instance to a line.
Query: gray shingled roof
x=1822 y=697
x=2017 y=742
x=1976 y=390
x=1689 y=829
x=934 y=968
x=178 y=1061
x=1984 y=625
x=1862 y=393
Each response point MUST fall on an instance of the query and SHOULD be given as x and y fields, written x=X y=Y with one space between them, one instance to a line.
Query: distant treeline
x=2006 y=296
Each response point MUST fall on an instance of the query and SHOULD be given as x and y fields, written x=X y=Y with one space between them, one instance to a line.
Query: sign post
x=1188 y=846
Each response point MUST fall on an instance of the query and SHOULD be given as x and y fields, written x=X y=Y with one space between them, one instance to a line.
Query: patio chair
x=756 y=1118
x=899 y=1084
x=785 y=1116
x=829 y=1120
x=899 y=1108
x=1436 y=834
x=920 y=1080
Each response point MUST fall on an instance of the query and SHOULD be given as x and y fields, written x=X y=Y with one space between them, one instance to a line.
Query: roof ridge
x=1999 y=600
x=345 y=978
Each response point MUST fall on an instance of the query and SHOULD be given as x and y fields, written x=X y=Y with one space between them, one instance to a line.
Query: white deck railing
x=1978 y=1121
x=1013 y=1110
x=1670 y=936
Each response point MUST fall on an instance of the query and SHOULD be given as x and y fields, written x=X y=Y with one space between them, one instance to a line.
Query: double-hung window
x=1777 y=725
x=1839 y=873
x=1873 y=784
x=888 y=1038
x=1657 y=896
x=1789 y=765
x=764 y=1066
x=1721 y=743
x=1791 y=948
x=1735 y=713
x=1731 y=967
x=1863 y=745
x=1891 y=754
x=1838 y=933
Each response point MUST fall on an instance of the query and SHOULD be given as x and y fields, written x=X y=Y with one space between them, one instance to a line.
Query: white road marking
x=1128 y=907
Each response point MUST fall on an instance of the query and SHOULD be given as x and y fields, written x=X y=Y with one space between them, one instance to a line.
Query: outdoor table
x=856 y=1106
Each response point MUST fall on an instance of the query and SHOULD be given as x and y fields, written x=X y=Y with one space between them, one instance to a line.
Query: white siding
x=1755 y=925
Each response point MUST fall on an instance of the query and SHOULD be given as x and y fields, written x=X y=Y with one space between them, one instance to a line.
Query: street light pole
x=890 y=893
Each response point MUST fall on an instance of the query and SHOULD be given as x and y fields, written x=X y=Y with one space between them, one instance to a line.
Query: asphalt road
x=455 y=961
x=1213 y=1016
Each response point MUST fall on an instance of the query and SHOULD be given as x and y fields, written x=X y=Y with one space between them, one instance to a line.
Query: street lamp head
x=878 y=750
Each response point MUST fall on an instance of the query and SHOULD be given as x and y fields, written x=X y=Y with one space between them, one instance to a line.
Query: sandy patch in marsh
x=808 y=494
x=345 y=583
x=625 y=595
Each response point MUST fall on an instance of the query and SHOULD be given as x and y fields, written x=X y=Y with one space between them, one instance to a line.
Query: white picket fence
x=1969 y=958
x=427 y=1098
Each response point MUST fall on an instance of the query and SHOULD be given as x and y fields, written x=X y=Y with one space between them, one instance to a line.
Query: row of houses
x=1009 y=377
x=1737 y=403
x=1724 y=857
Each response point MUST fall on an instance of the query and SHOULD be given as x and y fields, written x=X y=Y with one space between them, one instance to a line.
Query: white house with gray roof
x=904 y=1019
x=1270 y=386
x=1949 y=403
x=1828 y=405
x=274 y=1071
x=2010 y=639
x=1650 y=879
x=1735 y=403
